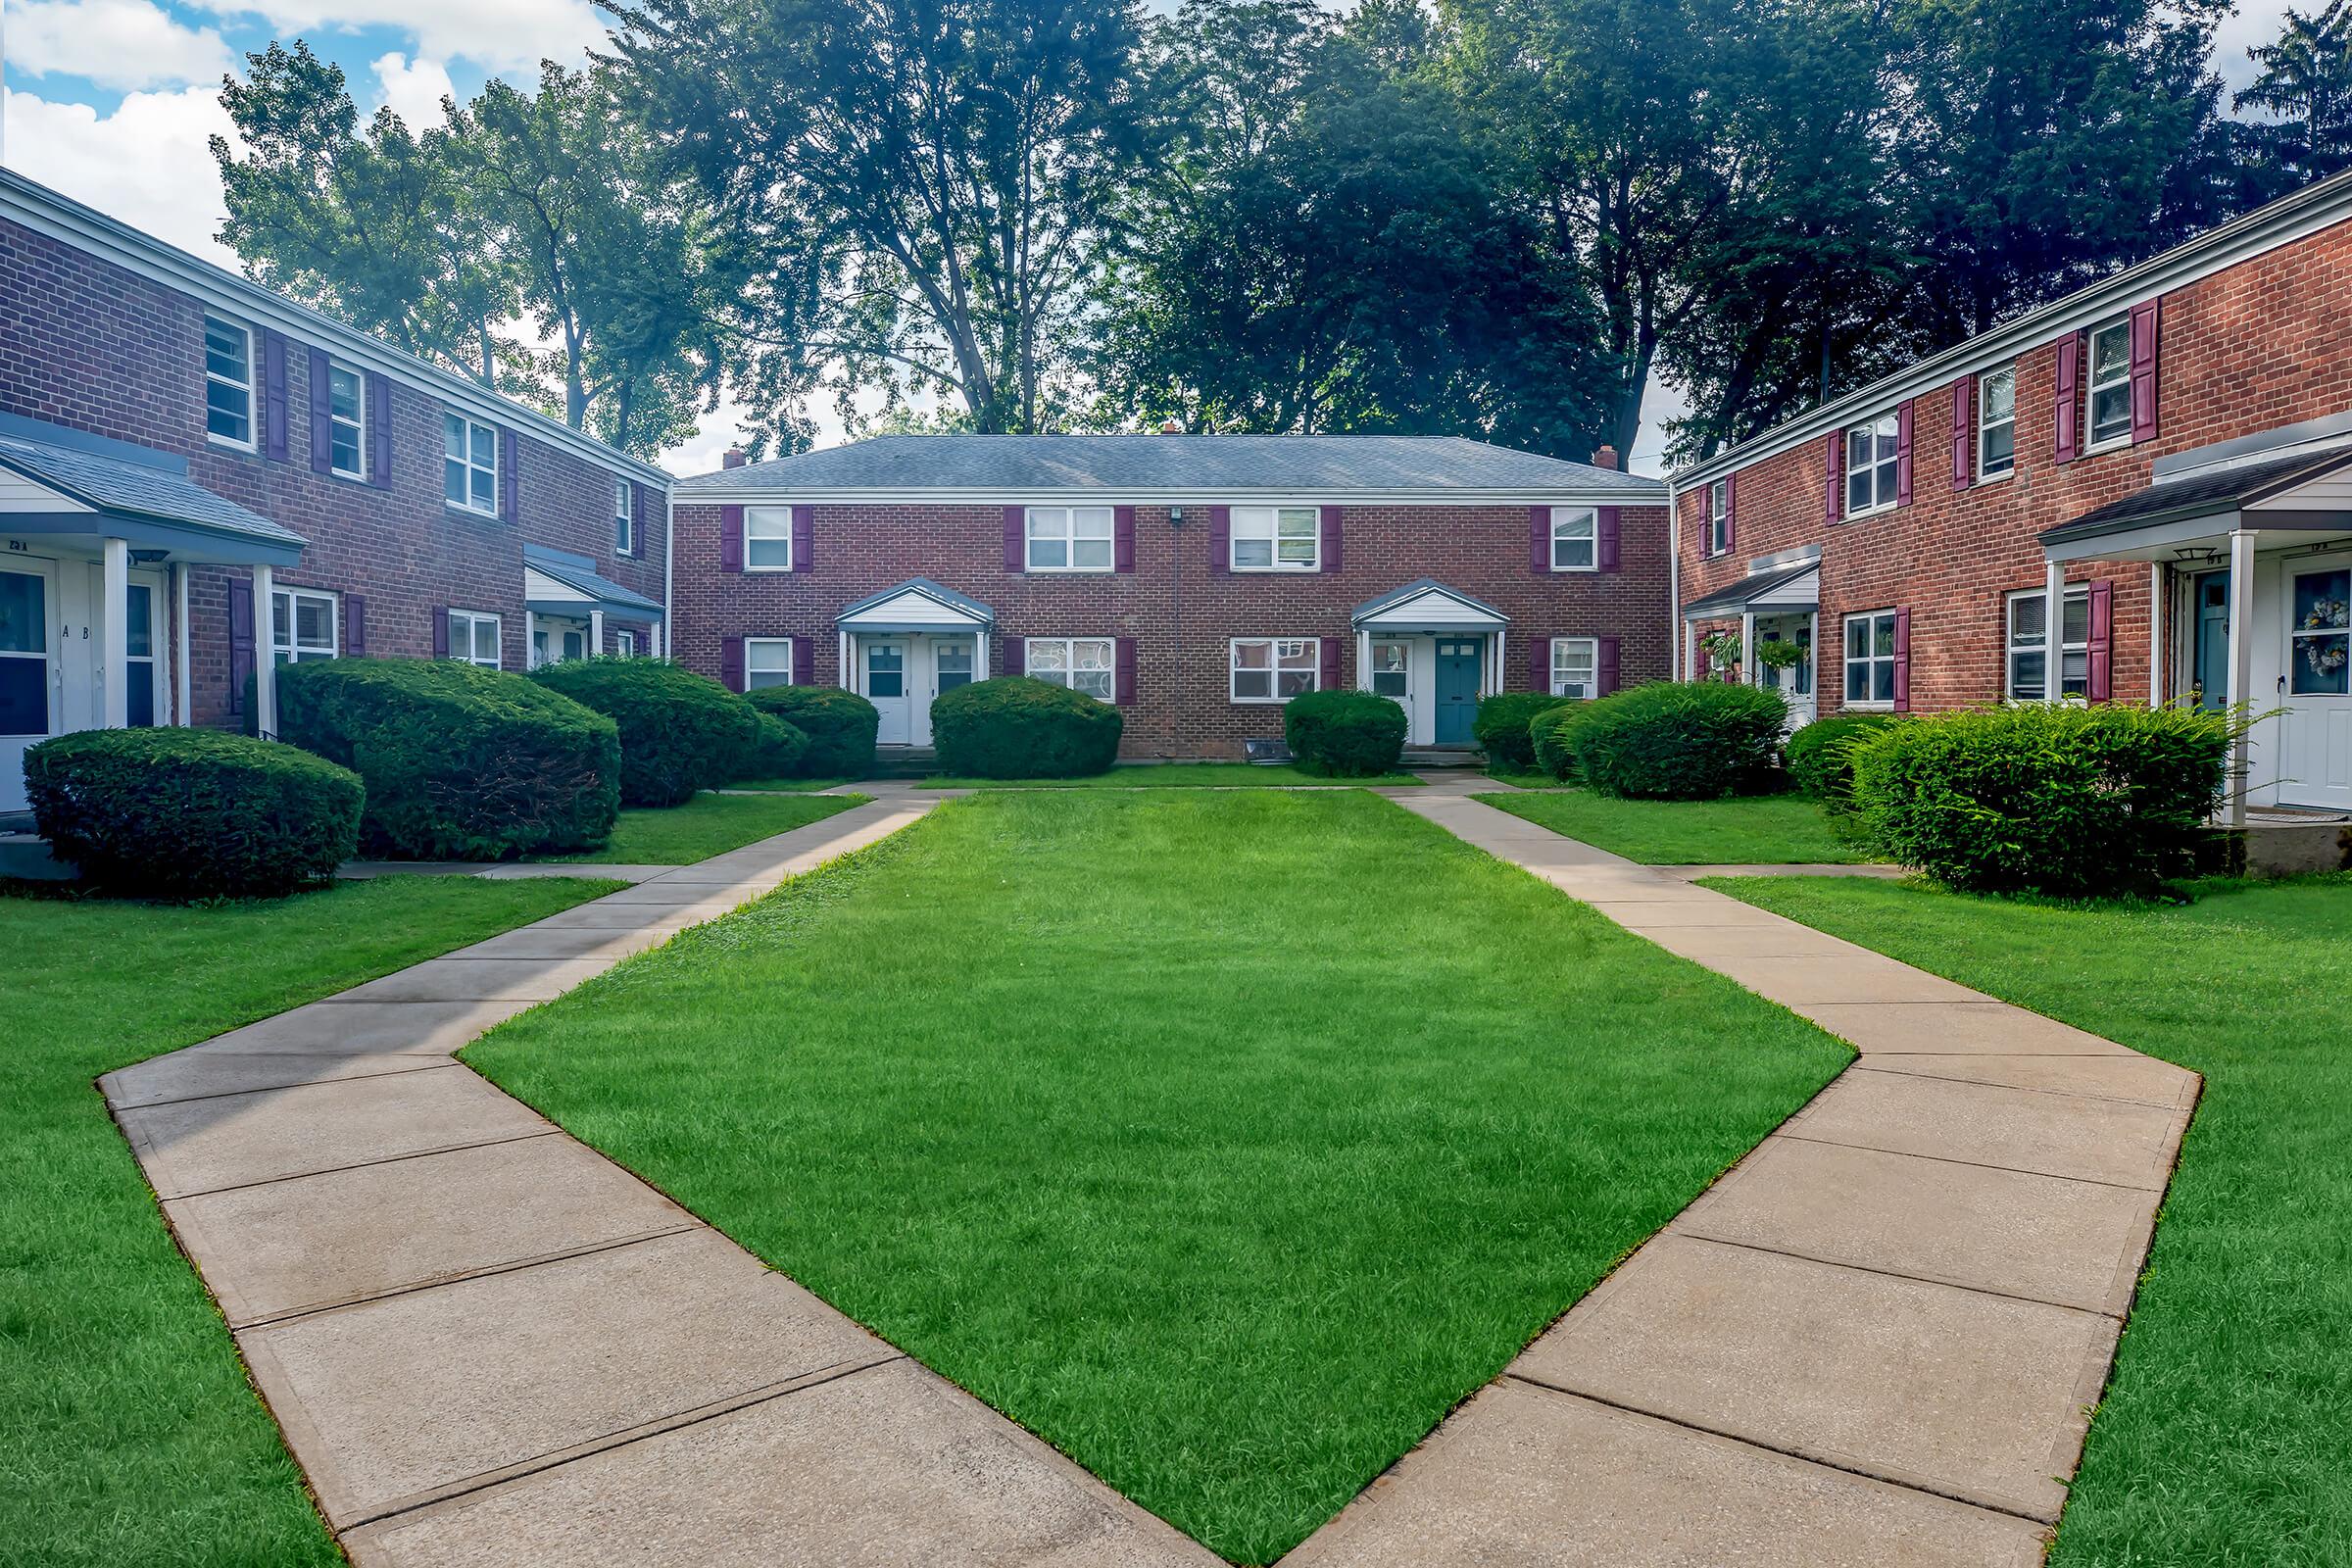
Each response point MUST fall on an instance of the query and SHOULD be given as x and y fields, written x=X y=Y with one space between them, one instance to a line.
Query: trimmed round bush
x=680 y=732
x=1343 y=734
x=840 y=726
x=2071 y=801
x=462 y=764
x=777 y=751
x=1016 y=727
x=1820 y=755
x=1501 y=728
x=1550 y=736
x=192 y=813
x=1680 y=741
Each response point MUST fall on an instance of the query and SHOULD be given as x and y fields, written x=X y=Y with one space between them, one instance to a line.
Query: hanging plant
x=1721 y=649
x=1775 y=653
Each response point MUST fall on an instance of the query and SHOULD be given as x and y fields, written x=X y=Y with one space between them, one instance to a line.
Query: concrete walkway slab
x=1944 y=1028
x=1985 y=1124
x=1794 y=980
x=2141 y=1079
x=567 y=941
x=202 y=1073
x=462 y=979
x=338 y=1025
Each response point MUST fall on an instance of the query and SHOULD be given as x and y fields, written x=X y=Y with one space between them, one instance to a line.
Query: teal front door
x=2212 y=661
x=1458 y=658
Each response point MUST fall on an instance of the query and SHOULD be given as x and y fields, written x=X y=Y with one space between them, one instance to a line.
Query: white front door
x=946 y=665
x=2315 y=765
x=882 y=667
x=1396 y=673
x=31 y=645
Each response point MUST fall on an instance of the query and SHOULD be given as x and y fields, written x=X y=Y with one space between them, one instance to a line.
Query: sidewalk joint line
x=492 y=1271
x=1978 y=1164
x=424 y=1063
x=1889 y=1273
x=362 y=1164
x=2022 y=1088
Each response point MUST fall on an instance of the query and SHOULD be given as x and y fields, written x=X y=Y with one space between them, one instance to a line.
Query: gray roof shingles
x=112 y=484
x=2217 y=491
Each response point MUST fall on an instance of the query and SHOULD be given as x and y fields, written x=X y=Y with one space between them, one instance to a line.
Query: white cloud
x=116 y=44
x=412 y=89
x=508 y=36
x=148 y=163
x=2251 y=22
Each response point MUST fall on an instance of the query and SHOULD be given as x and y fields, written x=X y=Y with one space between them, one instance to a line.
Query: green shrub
x=462 y=764
x=679 y=731
x=1680 y=741
x=192 y=813
x=840 y=726
x=1820 y=757
x=1501 y=728
x=778 y=750
x=1016 y=727
x=1550 y=736
x=1343 y=734
x=2062 y=799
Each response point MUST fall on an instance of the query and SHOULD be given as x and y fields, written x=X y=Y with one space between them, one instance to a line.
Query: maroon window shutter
x=510 y=482
x=804 y=538
x=1220 y=540
x=2102 y=642
x=641 y=506
x=2143 y=372
x=1122 y=541
x=322 y=452
x=1731 y=512
x=1017 y=656
x=1837 y=476
x=1122 y=671
x=1330 y=558
x=1539 y=540
x=730 y=538
x=2069 y=438
x=355 y=624
x=1016 y=522
x=1902 y=661
x=240 y=642
x=277 y=423
x=730 y=663
x=1606 y=666
x=804 y=661
x=379 y=431
x=1608 y=528
x=1902 y=454
x=1538 y=664
x=1964 y=431
x=440 y=632
x=1329 y=649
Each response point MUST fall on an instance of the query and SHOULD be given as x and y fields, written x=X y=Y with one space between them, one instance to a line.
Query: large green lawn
x=1224 y=1139
x=706 y=825
x=1178 y=776
x=131 y=1436
x=1756 y=830
x=2227 y=1431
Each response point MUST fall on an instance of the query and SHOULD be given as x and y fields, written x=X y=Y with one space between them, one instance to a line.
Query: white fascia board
x=904 y=496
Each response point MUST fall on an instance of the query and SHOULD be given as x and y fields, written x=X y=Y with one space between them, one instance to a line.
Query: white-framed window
x=1996 y=424
x=469 y=464
x=1575 y=666
x=1082 y=663
x=1275 y=670
x=1392 y=666
x=1869 y=660
x=346 y=422
x=227 y=383
x=1575 y=539
x=1718 y=517
x=1277 y=538
x=474 y=638
x=302 y=625
x=624 y=644
x=1871 y=466
x=2029 y=660
x=767 y=538
x=1070 y=539
x=624 y=518
x=2319 y=634
x=2107 y=385
x=766 y=662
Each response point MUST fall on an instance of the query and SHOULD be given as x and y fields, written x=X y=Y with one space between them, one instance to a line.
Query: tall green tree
x=2304 y=90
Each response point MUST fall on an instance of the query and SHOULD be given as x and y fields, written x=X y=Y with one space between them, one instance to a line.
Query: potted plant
x=1774 y=653
x=1722 y=650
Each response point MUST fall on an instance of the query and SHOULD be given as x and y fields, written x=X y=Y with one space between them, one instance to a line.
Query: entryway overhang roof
x=68 y=483
x=1425 y=605
x=555 y=582
x=1793 y=588
x=2307 y=494
x=918 y=605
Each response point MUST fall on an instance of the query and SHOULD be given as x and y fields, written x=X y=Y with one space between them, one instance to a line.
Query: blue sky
x=112 y=101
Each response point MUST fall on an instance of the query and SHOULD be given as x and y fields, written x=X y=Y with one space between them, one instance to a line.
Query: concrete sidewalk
x=1873 y=1342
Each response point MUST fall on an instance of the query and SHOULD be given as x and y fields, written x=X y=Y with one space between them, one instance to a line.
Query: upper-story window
x=767 y=538
x=346 y=422
x=2108 y=386
x=227 y=382
x=1996 y=422
x=1277 y=538
x=1575 y=539
x=1718 y=517
x=470 y=467
x=1069 y=539
x=624 y=518
x=1871 y=466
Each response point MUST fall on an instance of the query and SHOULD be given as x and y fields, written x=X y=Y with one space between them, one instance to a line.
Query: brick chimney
x=1171 y=428
x=733 y=460
x=1605 y=458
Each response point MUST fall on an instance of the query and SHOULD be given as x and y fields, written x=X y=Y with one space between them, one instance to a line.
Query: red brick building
x=2137 y=492
x=1197 y=581
x=200 y=480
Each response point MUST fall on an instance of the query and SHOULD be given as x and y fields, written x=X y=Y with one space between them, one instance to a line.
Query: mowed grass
x=131 y=1434
x=791 y=786
x=706 y=825
x=1754 y=830
x=1224 y=1139
x=2223 y=1435
x=1179 y=776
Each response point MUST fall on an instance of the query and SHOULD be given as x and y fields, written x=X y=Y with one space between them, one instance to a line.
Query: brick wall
x=1180 y=613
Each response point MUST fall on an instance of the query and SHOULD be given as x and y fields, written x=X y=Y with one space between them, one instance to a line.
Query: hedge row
x=1016 y=727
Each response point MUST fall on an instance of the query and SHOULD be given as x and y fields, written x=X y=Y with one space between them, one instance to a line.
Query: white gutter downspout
x=670 y=570
x=1674 y=586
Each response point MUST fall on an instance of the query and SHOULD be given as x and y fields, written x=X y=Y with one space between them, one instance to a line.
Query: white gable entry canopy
x=903 y=647
x=1411 y=641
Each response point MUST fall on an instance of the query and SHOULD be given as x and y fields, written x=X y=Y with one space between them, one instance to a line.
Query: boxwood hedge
x=1820 y=756
x=1550 y=736
x=1501 y=728
x=840 y=726
x=1016 y=727
x=1680 y=741
x=777 y=751
x=1345 y=734
x=680 y=732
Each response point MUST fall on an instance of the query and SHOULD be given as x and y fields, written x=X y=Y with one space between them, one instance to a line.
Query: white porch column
x=843 y=676
x=1500 y=678
x=596 y=634
x=531 y=639
x=1747 y=648
x=2053 y=633
x=114 y=652
x=181 y=683
x=1689 y=650
x=265 y=652
x=979 y=654
x=2241 y=668
x=2157 y=665
x=1363 y=660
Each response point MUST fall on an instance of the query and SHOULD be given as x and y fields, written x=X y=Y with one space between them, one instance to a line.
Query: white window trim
x=624 y=518
x=1590 y=536
x=359 y=424
x=250 y=387
x=469 y=619
x=1719 y=513
x=624 y=644
x=1845 y=440
x=2053 y=669
x=497 y=456
x=1274 y=697
x=1233 y=540
x=1069 y=657
x=752 y=645
x=1069 y=542
x=766 y=515
x=296 y=654
x=1846 y=661
x=2090 y=388
x=1983 y=425
x=1592 y=648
